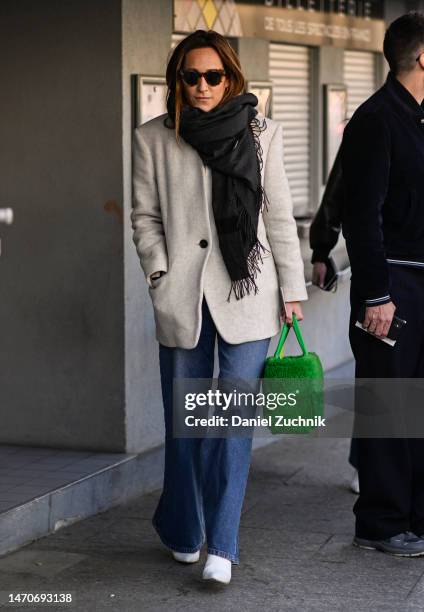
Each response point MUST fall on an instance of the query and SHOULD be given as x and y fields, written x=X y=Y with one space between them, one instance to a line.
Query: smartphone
x=330 y=280
x=393 y=334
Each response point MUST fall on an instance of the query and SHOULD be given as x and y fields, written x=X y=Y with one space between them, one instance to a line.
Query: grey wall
x=146 y=28
x=61 y=276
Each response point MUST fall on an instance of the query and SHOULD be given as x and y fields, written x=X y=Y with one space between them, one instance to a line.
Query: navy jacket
x=382 y=157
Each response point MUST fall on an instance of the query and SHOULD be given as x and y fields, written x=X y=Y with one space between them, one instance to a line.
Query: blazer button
x=203 y=244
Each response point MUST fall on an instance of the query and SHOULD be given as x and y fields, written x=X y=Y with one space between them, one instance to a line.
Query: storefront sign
x=312 y=28
x=368 y=9
x=338 y=23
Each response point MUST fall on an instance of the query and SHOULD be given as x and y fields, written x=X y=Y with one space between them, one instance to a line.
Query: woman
x=217 y=241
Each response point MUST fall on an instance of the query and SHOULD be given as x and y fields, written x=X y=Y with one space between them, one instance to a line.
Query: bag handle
x=279 y=352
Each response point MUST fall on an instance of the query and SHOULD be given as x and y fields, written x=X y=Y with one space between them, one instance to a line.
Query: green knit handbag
x=299 y=382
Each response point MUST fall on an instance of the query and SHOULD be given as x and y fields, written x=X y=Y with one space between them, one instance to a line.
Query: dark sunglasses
x=212 y=77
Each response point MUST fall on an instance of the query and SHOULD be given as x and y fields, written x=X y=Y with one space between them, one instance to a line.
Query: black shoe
x=402 y=545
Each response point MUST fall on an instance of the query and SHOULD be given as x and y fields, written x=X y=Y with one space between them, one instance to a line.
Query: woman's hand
x=289 y=309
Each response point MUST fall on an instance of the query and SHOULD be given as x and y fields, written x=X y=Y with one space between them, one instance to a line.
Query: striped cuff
x=379 y=301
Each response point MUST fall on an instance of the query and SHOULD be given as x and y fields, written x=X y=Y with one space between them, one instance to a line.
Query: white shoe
x=354 y=485
x=218 y=569
x=186 y=557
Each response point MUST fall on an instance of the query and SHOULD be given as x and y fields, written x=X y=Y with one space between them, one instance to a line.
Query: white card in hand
x=386 y=340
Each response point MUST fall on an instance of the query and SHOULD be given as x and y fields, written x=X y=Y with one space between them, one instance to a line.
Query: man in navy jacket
x=382 y=160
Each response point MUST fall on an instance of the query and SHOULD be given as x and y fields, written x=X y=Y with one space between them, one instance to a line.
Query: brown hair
x=197 y=40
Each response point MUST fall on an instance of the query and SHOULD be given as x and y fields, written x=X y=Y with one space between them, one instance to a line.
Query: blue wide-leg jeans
x=205 y=478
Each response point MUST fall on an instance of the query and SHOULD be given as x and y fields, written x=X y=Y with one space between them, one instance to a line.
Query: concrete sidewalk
x=295 y=550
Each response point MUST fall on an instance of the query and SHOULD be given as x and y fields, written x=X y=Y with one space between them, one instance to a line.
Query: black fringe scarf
x=227 y=140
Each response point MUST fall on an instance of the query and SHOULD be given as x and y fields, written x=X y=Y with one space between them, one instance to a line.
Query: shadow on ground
x=295 y=550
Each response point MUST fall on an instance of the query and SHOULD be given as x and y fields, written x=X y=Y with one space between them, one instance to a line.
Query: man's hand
x=379 y=318
x=318 y=274
x=290 y=309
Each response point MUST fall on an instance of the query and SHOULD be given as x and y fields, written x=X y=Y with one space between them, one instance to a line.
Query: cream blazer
x=174 y=230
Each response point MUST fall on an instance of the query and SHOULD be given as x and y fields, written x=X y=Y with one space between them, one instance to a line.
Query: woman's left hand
x=289 y=309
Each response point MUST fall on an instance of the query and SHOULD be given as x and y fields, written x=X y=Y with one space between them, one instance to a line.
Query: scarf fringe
x=255 y=256
x=242 y=287
x=245 y=286
x=244 y=223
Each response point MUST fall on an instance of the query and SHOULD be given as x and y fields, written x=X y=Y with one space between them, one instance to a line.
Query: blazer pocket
x=157 y=281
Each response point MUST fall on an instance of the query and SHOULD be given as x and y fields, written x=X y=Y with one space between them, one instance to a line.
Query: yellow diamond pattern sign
x=209 y=13
x=219 y=15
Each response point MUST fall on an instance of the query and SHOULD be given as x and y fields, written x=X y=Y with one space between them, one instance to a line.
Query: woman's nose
x=202 y=85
